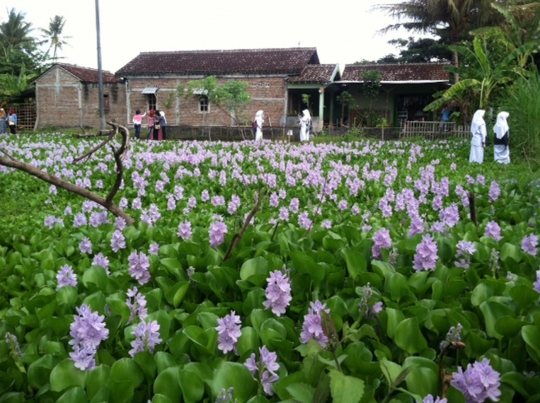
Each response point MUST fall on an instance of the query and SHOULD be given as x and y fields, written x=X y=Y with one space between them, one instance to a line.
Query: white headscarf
x=501 y=127
x=306 y=113
x=478 y=121
x=259 y=118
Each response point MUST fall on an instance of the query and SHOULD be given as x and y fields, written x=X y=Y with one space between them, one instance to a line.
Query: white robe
x=479 y=132
x=304 y=122
x=259 y=119
x=502 y=154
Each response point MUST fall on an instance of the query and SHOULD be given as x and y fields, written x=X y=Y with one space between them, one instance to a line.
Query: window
x=151 y=100
x=203 y=104
x=106 y=104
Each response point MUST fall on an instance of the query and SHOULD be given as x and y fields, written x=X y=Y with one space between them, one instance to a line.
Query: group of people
x=156 y=123
x=304 y=120
x=9 y=120
x=479 y=134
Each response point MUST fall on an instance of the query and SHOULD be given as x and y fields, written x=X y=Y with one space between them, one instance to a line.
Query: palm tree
x=53 y=35
x=15 y=33
x=449 y=19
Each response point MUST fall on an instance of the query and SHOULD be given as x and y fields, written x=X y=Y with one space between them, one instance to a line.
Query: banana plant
x=484 y=75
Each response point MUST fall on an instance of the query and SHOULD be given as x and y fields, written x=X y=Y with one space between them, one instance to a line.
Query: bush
x=524 y=118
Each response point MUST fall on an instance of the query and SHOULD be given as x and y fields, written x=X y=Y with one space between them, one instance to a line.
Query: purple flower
x=366 y=307
x=266 y=367
x=66 y=277
x=284 y=214
x=529 y=244
x=417 y=226
x=450 y=215
x=138 y=267
x=154 y=248
x=537 y=282
x=278 y=292
x=312 y=327
x=85 y=246
x=431 y=399
x=453 y=335
x=343 y=205
x=217 y=233
x=493 y=230
x=326 y=224
x=120 y=223
x=136 y=302
x=426 y=254
x=146 y=337
x=205 y=196
x=118 y=241
x=79 y=220
x=87 y=331
x=102 y=261
x=294 y=205
x=184 y=230
x=67 y=210
x=465 y=250
x=494 y=191
x=381 y=240
x=229 y=330
x=478 y=383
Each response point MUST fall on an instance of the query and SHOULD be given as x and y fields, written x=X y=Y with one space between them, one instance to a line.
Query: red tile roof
x=315 y=73
x=398 y=72
x=221 y=62
x=88 y=75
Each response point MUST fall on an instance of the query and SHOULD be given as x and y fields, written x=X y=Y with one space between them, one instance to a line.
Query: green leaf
x=255 y=270
x=356 y=263
x=96 y=379
x=39 y=371
x=509 y=326
x=127 y=370
x=66 y=296
x=423 y=377
x=236 y=375
x=65 y=375
x=510 y=254
x=523 y=295
x=248 y=342
x=159 y=398
x=531 y=336
x=95 y=278
x=409 y=337
x=345 y=389
x=167 y=383
x=493 y=311
x=74 y=395
x=302 y=392
x=192 y=386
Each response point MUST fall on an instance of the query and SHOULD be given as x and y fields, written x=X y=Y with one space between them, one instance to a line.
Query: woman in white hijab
x=259 y=119
x=305 y=125
x=501 y=129
x=479 y=133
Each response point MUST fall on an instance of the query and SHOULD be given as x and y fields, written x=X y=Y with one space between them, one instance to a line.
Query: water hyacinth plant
x=333 y=272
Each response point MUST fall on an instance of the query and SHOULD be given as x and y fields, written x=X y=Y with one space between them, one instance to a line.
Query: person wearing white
x=502 y=133
x=479 y=133
x=259 y=119
x=305 y=124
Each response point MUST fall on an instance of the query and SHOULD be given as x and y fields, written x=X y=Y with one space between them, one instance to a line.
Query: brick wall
x=63 y=101
x=267 y=93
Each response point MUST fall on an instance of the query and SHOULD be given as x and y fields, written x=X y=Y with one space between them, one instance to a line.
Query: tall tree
x=54 y=36
x=15 y=33
x=449 y=19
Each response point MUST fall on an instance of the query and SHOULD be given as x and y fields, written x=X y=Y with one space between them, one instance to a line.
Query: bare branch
x=9 y=156
x=70 y=187
x=119 y=156
x=101 y=133
x=93 y=150
x=238 y=237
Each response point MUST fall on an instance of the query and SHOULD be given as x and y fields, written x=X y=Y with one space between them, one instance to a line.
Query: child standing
x=137 y=122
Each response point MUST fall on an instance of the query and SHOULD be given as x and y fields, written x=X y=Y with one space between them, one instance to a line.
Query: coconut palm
x=449 y=19
x=15 y=33
x=53 y=35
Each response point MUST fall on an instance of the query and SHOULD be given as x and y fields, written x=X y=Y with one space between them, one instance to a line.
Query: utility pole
x=100 y=72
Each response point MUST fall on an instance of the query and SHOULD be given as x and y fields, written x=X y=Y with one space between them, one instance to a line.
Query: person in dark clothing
x=502 y=134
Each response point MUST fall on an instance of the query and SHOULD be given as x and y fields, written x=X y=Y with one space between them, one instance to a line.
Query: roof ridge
x=399 y=64
x=228 y=50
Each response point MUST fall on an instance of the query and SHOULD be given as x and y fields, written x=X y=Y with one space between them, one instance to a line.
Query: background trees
x=22 y=56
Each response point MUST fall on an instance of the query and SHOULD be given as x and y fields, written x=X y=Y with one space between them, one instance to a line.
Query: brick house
x=405 y=90
x=152 y=79
x=68 y=96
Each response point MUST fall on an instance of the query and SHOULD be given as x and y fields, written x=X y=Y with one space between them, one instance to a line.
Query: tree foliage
x=232 y=96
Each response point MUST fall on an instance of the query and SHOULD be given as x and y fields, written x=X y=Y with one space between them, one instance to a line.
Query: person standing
x=3 y=123
x=157 y=126
x=502 y=134
x=259 y=119
x=12 y=121
x=150 y=122
x=445 y=118
x=479 y=133
x=305 y=125
x=163 y=123
x=137 y=122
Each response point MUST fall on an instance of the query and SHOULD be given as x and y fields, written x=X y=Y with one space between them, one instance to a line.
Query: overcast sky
x=343 y=31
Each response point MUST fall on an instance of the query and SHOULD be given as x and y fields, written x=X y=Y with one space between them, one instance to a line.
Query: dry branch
x=238 y=237
x=107 y=202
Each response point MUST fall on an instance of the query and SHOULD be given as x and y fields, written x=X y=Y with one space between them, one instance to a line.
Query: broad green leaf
x=531 y=335
x=409 y=337
x=493 y=311
x=345 y=389
x=192 y=386
x=167 y=383
x=237 y=376
x=301 y=392
x=65 y=375
x=356 y=263
x=127 y=370
x=74 y=395
x=96 y=378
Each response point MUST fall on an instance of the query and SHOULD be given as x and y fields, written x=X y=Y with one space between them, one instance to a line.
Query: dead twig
x=472 y=208
x=101 y=133
x=119 y=156
x=238 y=237
x=70 y=187
x=9 y=156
